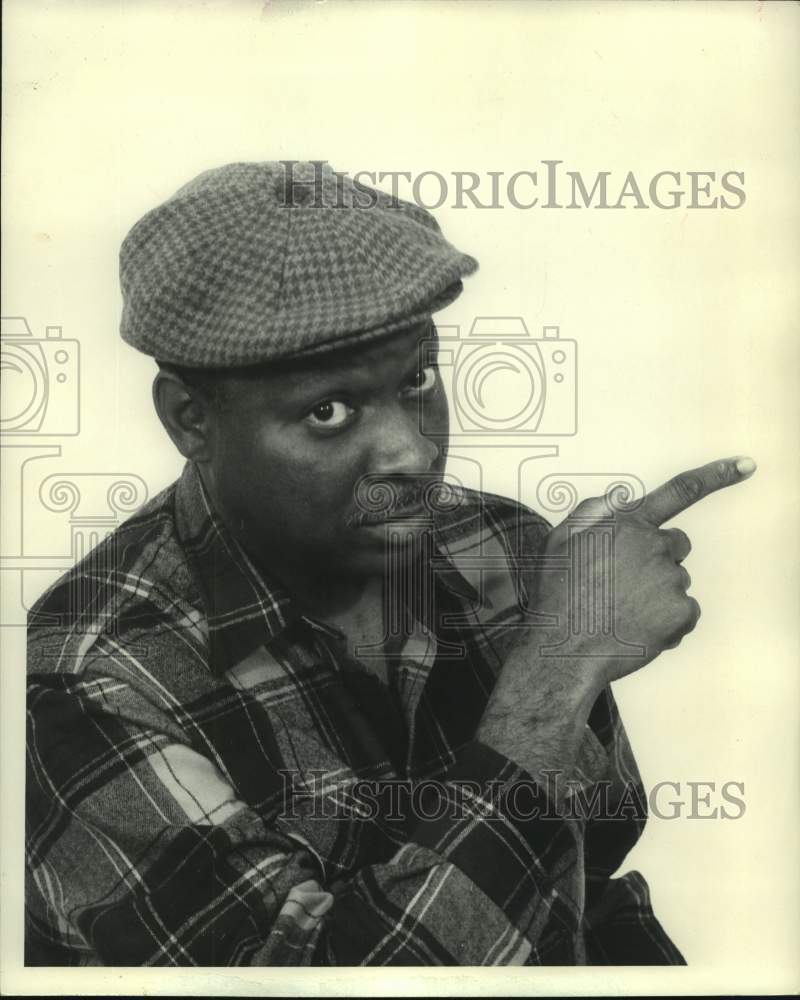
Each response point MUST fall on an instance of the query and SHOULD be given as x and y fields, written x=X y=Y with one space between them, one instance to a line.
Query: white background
x=685 y=320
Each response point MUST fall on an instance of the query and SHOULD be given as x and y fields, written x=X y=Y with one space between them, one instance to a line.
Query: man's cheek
x=435 y=424
x=316 y=496
x=438 y=412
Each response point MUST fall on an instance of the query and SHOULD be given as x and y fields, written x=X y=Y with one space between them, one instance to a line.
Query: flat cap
x=254 y=262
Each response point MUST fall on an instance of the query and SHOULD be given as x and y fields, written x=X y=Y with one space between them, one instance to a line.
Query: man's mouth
x=411 y=507
x=381 y=502
x=386 y=503
x=366 y=519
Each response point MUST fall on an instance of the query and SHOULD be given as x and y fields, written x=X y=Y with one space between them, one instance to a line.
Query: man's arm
x=540 y=704
x=538 y=711
x=140 y=852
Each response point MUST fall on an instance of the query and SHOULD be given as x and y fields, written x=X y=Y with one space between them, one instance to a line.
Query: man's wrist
x=543 y=686
x=538 y=710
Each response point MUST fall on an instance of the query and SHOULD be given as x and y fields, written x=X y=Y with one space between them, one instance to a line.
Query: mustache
x=379 y=499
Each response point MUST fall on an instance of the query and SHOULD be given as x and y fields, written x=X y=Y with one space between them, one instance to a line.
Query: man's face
x=289 y=449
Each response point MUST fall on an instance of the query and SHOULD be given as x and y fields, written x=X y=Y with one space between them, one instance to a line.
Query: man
x=307 y=706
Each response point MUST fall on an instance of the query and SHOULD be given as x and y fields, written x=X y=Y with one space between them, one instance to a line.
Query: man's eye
x=424 y=380
x=330 y=414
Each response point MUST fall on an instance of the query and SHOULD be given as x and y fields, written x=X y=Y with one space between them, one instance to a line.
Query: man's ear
x=187 y=415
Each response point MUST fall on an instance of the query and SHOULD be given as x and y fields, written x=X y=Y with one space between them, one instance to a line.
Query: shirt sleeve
x=140 y=853
x=620 y=927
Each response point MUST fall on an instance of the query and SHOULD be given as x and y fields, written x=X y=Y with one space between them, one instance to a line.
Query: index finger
x=687 y=488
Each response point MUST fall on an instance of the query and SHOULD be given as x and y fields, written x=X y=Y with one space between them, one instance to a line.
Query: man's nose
x=400 y=447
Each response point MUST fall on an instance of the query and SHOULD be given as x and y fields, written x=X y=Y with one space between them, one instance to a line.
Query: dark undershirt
x=379 y=704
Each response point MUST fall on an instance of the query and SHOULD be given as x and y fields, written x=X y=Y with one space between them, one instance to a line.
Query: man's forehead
x=399 y=344
x=402 y=347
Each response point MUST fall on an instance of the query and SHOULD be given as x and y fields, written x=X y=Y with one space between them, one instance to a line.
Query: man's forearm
x=538 y=710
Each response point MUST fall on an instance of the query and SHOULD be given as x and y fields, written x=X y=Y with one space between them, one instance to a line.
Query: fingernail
x=745 y=466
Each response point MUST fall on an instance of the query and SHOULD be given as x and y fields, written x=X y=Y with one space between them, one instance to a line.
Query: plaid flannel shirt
x=212 y=782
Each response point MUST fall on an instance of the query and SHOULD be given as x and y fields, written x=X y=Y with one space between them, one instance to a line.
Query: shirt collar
x=244 y=607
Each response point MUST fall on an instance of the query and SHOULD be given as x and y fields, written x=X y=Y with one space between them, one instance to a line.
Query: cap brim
x=340 y=343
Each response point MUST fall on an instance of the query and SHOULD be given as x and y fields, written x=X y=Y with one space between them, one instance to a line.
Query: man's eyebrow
x=425 y=351
x=319 y=377
x=358 y=367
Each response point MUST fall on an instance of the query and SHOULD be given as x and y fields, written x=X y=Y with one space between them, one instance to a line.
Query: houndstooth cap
x=252 y=262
